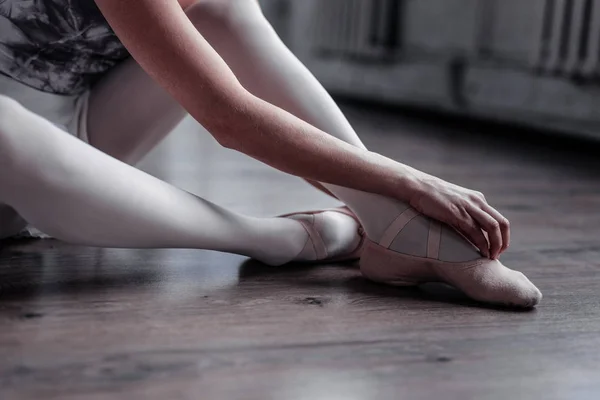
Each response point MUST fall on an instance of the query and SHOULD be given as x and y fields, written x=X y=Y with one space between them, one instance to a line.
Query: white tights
x=91 y=195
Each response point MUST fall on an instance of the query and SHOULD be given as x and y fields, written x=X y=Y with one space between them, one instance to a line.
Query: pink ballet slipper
x=482 y=279
x=317 y=242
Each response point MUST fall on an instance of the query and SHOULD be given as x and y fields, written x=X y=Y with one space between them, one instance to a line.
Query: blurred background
x=534 y=62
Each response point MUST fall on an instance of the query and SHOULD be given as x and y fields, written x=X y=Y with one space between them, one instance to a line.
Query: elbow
x=227 y=140
x=229 y=121
x=225 y=129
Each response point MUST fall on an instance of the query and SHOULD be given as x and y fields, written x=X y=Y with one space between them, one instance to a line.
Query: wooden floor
x=83 y=323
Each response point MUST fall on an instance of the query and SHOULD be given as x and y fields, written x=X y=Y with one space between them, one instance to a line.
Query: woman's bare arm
x=164 y=42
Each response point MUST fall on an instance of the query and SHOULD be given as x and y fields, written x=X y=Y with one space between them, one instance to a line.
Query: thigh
x=129 y=114
x=60 y=110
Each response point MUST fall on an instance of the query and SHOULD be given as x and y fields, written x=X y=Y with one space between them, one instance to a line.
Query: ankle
x=282 y=241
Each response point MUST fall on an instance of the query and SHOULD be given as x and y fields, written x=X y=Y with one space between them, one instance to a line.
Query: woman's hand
x=465 y=210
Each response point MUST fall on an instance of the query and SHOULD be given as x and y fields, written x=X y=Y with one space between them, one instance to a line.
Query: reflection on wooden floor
x=94 y=323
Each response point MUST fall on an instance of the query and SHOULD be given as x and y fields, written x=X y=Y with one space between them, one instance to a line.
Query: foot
x=332 y=235
x=415 y=249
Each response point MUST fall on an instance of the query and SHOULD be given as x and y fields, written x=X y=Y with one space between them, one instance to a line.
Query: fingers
x=471 y=229
x=492 y=227
x=504 y=225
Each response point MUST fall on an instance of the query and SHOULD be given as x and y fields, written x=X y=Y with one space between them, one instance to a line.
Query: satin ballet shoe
x=315 y=240
x=481 y=279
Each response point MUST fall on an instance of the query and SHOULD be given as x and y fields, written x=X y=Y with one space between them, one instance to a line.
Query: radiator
x=570 y=41
x=363 y=29
x=590 y=66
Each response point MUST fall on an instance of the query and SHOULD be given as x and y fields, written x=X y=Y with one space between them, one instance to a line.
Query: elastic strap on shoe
x=396 y=227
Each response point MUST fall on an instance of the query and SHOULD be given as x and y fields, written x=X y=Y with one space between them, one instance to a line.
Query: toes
x=531 y=294
x=520 y=291
x=492 y=282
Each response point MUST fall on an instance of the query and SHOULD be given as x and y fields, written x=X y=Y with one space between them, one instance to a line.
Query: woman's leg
x=128 y=114
x=266 y=67
x=79 y=194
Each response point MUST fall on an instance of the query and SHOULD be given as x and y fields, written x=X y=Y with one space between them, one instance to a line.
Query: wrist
x=395 y=180
x=410 y=183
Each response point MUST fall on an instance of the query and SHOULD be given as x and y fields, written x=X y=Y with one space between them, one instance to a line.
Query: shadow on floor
x=349 y=280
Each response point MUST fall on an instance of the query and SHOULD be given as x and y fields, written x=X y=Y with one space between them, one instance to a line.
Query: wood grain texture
x=84 y=323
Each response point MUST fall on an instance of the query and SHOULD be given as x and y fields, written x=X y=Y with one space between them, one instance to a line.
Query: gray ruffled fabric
x=56 y=46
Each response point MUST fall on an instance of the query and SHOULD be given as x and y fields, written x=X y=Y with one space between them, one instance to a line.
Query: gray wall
x=530 y=61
